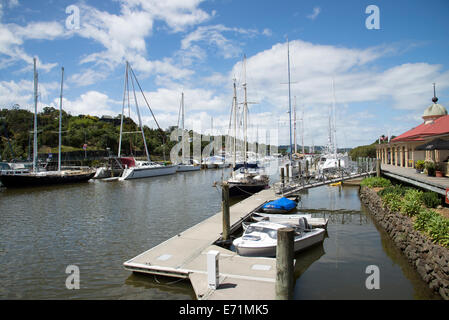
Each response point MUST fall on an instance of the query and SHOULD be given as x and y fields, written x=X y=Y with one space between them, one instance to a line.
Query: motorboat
x=281 y=205
x=260 y=239
x=290 y=218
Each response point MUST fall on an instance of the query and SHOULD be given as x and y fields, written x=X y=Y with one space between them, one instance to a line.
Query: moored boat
x=260 y=239
x=281 y=205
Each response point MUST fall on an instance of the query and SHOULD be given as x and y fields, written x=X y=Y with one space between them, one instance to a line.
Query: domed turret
x=435 y=110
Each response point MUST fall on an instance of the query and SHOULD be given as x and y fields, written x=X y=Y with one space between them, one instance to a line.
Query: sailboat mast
x=289 y=99
x=140 y=120
x=182 y=123
x=60 y=120
x=334 y=131
x=302 y=132
x=123 y=111
x=294 y=126
x=235 y=127
x=245 y=112
x=35 y=168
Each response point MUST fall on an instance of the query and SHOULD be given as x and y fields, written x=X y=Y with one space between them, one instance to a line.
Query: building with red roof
x=401 y=151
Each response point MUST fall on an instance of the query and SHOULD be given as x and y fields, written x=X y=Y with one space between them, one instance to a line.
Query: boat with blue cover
x=282 y=205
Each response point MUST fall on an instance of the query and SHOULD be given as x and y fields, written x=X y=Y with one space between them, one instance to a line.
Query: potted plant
x=419 y=166
x=438 y=170
x=430 y=167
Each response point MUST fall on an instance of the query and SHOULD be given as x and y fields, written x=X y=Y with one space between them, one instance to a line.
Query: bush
x=412 y=202
x=422 y=219
x=431 y=199
x=420 y=165
x=430 y=167
x=392 y=201
x=375 y=182
x=396 y=189
x=438 y=230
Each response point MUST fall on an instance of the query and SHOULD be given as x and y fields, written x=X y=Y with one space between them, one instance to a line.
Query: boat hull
x=32 y=180
x=238 y=189
x=187 y=168
x=147 y=172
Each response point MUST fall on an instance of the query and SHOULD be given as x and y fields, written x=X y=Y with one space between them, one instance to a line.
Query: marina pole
x=60 y=120
x=284 y=264
x=225 y=208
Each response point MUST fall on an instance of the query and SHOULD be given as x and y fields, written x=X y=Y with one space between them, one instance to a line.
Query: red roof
x=437 y=127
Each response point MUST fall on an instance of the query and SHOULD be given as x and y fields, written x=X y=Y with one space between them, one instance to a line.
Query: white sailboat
x=246 y=179
x=134 y=169
x=331 y=160
x=186 y=165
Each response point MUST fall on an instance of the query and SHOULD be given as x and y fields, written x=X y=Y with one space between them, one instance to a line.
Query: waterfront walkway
x=421 y=180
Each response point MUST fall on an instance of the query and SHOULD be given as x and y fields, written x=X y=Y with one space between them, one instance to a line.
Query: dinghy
x=282 y=205
x=260 y=239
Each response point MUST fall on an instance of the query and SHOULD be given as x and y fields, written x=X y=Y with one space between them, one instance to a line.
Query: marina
x=100 y=233
x=207 y=151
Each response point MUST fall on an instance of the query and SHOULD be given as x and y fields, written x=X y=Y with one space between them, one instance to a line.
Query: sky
x=382 y=76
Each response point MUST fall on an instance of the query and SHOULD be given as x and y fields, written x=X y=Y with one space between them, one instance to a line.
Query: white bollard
x=212 y=269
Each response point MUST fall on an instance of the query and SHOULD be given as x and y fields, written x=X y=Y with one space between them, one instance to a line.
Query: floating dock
x=184 y=256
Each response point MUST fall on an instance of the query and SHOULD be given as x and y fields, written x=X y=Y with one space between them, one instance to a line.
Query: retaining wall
x=430 y=260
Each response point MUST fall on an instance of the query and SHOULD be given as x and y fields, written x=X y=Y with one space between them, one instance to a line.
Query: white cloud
x=93 y=103
x=87 y=77
x=314 y=14
x=213 y=36
x=13 y=37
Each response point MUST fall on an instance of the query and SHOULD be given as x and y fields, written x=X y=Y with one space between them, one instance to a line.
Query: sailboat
x=331 y=160
x=186 y=164
x=134 y=169
x=245 y=179
x=36 y=177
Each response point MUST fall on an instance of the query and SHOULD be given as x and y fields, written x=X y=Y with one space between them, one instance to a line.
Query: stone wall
x=430 y=260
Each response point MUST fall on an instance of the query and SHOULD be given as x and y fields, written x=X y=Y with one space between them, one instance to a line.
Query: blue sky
x=383 y=78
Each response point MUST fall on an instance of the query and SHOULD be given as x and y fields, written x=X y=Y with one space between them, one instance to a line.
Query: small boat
x=337 y=184
x=260 y=239
x=290 y=218
x=282 y=205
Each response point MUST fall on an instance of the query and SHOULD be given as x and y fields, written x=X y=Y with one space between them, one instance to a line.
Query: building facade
x=401 y=151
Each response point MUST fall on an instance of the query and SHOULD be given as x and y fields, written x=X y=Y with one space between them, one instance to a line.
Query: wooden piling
x=225 y=209
x=284 y=264
x=378 y=170
x=282 y=176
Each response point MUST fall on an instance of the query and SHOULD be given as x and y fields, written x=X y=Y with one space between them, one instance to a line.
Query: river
x=98 y=225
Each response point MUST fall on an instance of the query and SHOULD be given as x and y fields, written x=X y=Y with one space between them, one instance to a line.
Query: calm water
x=99 y=225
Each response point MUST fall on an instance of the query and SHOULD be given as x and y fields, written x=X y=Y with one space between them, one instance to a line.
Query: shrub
x=438 y=230
x=375 y=182
x=430 y=167
x=422 y=219
x=420 y=165
x=396 y=189
x=431 y=199
x=392 y=201
x=412 y=202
